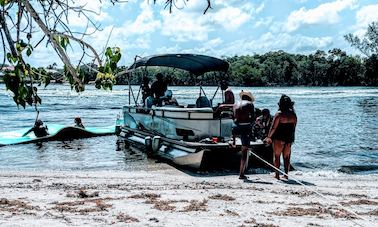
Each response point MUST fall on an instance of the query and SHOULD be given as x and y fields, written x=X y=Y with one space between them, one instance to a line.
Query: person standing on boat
x=146 y=90
x=38 y=129
x=244 y=116
x=282 y=132
x=158 y=88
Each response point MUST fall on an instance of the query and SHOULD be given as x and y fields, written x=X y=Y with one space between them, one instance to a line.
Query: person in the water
x=244 y=113
x=39 y=129
x=78 y=122
x=282 y=133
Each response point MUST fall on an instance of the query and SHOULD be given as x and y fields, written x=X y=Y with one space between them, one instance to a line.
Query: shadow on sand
x=293 y=182
x=256 y=181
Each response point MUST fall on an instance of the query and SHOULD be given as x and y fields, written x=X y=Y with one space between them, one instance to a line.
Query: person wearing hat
x=244 y=116
x=38 y=129
x=282 y=133
x=78 y=122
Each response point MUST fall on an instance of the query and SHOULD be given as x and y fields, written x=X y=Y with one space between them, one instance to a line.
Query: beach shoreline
x=170 y=197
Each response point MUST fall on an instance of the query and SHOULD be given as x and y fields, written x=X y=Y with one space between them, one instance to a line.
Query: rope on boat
x=315 y=191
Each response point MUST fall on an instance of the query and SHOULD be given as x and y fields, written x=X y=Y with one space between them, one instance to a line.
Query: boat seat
x=202 y=102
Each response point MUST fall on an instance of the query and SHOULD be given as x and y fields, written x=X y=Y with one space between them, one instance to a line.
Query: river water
x=337 y=127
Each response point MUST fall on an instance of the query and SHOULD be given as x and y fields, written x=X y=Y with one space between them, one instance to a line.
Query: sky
x=230 y=27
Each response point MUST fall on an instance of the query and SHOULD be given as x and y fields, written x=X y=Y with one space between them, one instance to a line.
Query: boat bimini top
x=194 y=63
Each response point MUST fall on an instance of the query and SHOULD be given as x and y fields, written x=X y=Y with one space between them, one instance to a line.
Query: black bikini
x=284 y=132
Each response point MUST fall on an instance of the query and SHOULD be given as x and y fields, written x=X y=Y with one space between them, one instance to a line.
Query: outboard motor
x=156 y=144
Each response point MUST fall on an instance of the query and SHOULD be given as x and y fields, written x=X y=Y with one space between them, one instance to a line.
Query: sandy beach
x=170 y=197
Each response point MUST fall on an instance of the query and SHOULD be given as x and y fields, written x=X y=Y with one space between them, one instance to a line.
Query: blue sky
x=230 y=28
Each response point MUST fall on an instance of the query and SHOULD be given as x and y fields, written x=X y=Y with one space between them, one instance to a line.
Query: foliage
x=20 y=20
x=105 y=76
x=368 y=45
x=332 y=68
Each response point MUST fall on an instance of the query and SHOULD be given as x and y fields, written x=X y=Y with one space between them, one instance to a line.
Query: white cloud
x=190 y=24
x=131 y=35
x=183 y=26
x=327 y=13
x=94 y=10
x=274 y=42
x=264 y=21
x=144 y=23
x=230 y=18
x=365 y=16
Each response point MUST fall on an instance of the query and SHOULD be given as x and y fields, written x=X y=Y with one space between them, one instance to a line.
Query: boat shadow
x=256 y=181
x=297 y=182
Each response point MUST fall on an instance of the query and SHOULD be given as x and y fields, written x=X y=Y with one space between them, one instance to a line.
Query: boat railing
x=220 y=112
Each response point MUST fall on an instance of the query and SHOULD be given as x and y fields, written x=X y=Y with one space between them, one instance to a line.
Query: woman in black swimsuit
x=281 y=133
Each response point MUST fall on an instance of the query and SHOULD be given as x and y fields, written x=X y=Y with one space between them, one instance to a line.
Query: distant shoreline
x=214 y=85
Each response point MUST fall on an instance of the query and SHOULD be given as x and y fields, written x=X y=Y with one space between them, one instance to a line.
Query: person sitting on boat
x=168 y=99
x=244 y=114
x=146 y=90
x=38 y=129
x=78 y=122
x=262 y=124
x=229 y=97
x=158 y=88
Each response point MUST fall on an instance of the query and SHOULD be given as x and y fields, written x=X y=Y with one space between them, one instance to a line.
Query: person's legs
x=286 y=157
x=245 y=139
x=243 y=161
x=277 y=150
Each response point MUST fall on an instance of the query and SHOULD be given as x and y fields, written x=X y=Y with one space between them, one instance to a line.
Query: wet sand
x=169 y=197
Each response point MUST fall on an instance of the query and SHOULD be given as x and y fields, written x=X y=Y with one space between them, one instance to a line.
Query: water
x=337 y=127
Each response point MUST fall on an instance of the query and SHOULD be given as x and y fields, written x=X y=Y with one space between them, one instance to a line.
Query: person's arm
x=276 y=121
x=30 y=130
x=253 y=119
x=295 y=123
x=47 y=130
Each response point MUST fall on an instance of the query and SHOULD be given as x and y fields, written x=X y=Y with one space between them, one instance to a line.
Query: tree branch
x=97 y=57
x=61 y=53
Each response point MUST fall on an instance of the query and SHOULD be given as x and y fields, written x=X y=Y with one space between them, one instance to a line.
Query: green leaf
x=28 y=52
x=108 y=52
x=46 y=80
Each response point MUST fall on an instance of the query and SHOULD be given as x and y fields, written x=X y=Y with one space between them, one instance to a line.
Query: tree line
x=279 y=68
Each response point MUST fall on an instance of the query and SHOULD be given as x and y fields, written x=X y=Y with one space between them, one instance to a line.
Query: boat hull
x=195 y=155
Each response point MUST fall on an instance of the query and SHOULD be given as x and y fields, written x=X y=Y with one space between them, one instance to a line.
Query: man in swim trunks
x=244 y=116
x=38 y=129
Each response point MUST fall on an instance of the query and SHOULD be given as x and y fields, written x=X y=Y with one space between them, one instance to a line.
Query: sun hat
x=248 y=94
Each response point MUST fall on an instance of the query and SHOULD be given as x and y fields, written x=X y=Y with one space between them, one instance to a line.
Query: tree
x=20 y=20
x=368 y=45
